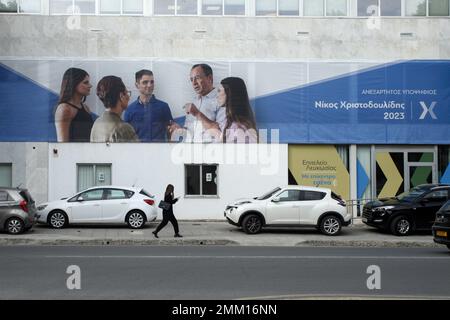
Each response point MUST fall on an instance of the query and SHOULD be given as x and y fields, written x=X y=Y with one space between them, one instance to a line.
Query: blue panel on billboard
x=26 y=109
x=406 y=102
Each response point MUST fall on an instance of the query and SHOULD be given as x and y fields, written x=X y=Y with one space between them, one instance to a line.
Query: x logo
x=428 y=110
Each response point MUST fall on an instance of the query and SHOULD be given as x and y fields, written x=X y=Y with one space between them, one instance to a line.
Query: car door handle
x=96 y=205
x=123 y=203
x=295 y=206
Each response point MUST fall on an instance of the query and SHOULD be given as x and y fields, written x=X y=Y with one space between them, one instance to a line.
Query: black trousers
x=169 y=216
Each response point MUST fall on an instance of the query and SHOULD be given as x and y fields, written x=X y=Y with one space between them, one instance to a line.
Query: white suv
x=291 y=206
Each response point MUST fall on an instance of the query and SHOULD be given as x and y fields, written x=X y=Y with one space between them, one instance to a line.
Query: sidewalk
x=213 y=233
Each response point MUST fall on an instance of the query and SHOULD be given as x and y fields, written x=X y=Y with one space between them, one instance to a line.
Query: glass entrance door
x=399 y=169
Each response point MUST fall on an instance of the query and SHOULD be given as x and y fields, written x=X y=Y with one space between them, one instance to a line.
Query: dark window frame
x=201 y=194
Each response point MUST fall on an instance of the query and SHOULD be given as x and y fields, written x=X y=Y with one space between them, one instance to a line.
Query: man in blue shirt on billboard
x=148 y=115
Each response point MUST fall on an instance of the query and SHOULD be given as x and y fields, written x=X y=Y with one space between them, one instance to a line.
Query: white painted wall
x=154 y=166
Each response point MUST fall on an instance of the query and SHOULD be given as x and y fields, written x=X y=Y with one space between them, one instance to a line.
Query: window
x=437 y=196
x=235 y=7
x=289 y=195
x=212 y=7
x=368 y=8
x=8 y=6
x=336 y=7
x=72 y=6
x=415 y=7
x=201 y=180
x=312 y=195
x=438 y=7
x=110 y=6
x=114 y=194
x=5 y=175
x=145 y=193
x=132 y=7
x=4 y=196
x=164 y=7
x=92 y=175
x=187 y=7
x=121 y=7
x=288 y=7
x=391 y=7
x=266 y=7
x=313 y=8
x=91 y=195
x=30 y=6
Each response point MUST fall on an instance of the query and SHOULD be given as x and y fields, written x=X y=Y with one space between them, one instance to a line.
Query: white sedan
x=105 y=204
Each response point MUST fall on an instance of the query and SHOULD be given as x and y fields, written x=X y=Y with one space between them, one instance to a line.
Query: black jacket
x=169 y=199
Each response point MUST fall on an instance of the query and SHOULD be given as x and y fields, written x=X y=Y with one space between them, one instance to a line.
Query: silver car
x=17 y=210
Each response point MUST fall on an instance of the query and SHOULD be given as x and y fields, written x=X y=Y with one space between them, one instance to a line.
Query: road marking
x=252 y=257
x=345 y=297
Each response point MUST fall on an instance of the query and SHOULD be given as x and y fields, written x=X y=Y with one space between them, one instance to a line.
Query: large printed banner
x=319 y=166
x=308 y=102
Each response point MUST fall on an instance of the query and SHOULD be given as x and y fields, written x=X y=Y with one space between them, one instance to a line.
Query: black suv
x=412 y=210
x=441 y=226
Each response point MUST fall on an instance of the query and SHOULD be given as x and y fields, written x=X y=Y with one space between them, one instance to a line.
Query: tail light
x=23 y=205
x=341 y=202
x=150 y=202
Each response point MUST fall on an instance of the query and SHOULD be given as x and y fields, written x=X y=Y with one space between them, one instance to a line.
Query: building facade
x=357 y=92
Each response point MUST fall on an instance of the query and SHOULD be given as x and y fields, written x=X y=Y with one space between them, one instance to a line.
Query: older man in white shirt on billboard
x=204 y=117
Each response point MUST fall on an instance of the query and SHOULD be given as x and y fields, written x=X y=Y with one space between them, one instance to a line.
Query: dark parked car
x=17 y=210
x=441 y=226
x=412 y=210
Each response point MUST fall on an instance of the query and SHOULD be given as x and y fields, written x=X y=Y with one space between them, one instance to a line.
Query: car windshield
x=268 y=194
x=445 y=207
x=412 y=194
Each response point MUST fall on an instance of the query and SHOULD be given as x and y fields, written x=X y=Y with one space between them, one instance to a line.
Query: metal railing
x=355 y=207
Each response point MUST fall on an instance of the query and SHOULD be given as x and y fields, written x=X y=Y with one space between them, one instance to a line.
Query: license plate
x=441 y=233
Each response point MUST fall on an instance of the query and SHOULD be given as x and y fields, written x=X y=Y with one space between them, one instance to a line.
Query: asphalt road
x=222 y=272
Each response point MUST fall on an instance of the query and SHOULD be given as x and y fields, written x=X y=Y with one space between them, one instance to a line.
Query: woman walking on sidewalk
x=168 y=213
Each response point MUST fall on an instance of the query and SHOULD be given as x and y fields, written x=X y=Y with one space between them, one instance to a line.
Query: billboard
x=295 y=102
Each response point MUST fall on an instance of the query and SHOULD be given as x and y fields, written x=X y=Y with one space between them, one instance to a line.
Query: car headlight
x=42 y=207
x=383 y=210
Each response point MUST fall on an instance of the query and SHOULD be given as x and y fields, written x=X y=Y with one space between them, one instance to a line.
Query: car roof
x=433 y=186
x=136 y=189
x=308 y=188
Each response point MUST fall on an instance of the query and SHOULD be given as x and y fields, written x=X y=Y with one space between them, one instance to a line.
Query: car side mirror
x=80 y=199
x=424 y=200
x=276 y=199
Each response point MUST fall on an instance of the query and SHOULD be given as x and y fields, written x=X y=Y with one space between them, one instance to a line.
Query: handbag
x=164 y=205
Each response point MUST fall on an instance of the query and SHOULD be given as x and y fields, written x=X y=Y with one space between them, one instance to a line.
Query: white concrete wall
x=224 y=37
x=153 y=166
x=29 y=166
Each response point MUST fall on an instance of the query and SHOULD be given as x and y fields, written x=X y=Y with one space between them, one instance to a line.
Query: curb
x=115 y=242
x=214 y=242
x=369 y=244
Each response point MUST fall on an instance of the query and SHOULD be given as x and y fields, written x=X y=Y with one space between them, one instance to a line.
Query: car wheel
x=15 y=226
x=330 y=225
x=401 y=226
x=252 y=224
x=57 y=220
x=135 y=220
